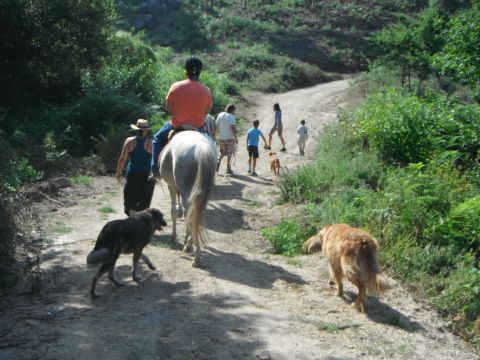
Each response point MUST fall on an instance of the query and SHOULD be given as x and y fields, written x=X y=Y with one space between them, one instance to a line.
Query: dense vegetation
x=405 y=164
x=76 y=73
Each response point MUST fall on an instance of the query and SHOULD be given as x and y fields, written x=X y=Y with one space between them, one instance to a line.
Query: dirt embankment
x=244 y=303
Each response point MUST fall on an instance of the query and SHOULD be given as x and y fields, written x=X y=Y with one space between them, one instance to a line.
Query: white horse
x=210 y=126
x=188 y=166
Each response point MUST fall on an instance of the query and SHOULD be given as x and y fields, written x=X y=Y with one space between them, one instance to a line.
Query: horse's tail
x=204 y=181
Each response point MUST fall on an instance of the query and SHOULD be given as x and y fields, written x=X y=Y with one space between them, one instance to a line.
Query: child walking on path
x=302 y=136
x=277 y=127
x=253 y=138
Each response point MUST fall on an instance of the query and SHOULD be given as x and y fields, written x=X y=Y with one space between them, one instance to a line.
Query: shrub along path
x=243 y=303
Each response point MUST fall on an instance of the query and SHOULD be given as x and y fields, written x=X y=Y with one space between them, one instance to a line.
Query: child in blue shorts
x=253 y=138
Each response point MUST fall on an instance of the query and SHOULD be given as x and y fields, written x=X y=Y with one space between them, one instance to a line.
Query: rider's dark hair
x=230 y=108
x=276 y=107
x=193 y=67
x=256 y=123
x=302 y=122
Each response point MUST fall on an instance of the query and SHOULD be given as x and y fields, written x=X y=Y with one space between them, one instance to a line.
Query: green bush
x=93 y=116
x=285 y=237
x=461 y=228
x=15 y=171
x=461 y=291
x=419 y=196
x=341 y=161
x=407 y=129
x=109 y=146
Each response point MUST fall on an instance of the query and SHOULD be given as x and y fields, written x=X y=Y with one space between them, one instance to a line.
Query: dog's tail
x=312 y=245
x=305 y=246
x=379 y=284
x=364 y=266
x=97 y=256
x=375 y=281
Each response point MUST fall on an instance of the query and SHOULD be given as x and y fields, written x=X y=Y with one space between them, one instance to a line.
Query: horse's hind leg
x=188 y=240
x=173 y=211
x=179 y=206
x=198 y=251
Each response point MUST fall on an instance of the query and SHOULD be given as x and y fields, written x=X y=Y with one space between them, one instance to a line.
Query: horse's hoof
x=196 y=263
x=187 y=249
x=179 y=213
x=152 y=267
x=94 y=295
x=137 y=278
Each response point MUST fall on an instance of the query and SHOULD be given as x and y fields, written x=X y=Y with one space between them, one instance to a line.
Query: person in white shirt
x=227 y=129
x=302 y=136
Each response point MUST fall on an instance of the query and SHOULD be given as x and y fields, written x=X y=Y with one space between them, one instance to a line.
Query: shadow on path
x=237 y=268
x=383 y=313
x=223 y=218
x=153 y=319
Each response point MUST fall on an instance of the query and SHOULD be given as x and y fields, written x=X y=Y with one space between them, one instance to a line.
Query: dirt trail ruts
x=244 y=303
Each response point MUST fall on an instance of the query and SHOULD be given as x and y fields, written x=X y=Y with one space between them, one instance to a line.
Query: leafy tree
x=460 y=57
x=45 y=45
x=394 y=47
x=450 y=6
x=409 y=47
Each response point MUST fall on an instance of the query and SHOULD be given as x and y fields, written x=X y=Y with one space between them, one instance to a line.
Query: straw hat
x=141 y=125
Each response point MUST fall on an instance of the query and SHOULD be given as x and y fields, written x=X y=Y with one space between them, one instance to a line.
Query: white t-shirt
x=302 y=130
x=224 y=121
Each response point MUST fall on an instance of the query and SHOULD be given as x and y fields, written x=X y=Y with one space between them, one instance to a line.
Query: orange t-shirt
x=189 y=102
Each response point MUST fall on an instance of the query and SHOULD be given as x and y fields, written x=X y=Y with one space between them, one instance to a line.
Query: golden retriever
x=274 y=163
x=352 y=253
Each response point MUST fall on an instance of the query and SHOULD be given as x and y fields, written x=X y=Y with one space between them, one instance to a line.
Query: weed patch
x=61 y=229
x=106 y=210
x=81 y=180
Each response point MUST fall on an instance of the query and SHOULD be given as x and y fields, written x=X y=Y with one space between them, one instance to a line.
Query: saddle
x=178 y=130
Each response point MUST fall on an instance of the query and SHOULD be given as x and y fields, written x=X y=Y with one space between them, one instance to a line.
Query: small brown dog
x=352 y=253
x=274 y=163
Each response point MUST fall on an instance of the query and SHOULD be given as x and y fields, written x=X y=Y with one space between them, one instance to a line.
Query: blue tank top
x=139 y=160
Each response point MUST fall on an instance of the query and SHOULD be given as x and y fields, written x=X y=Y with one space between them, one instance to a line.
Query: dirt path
x=245 y=303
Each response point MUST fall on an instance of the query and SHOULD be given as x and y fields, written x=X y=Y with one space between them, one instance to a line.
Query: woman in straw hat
x=138 y=191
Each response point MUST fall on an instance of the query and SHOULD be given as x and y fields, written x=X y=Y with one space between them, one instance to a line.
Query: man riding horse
x=188 y=102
